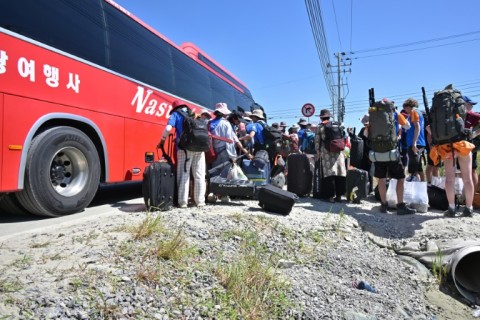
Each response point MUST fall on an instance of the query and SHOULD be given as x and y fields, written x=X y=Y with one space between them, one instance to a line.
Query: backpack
x=445 y=125
x=334 y=136
x=272 y=137
x=308 y=143
x=195 y=133
x=382 y=132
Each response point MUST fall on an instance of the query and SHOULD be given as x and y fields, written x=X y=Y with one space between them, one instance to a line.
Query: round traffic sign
x=308 y=110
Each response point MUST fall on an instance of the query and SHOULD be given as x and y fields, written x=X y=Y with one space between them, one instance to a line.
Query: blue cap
x=468 y=100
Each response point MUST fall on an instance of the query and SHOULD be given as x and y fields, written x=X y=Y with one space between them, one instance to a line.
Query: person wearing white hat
x=186 y=160
x=255 y=130
x=221 y=127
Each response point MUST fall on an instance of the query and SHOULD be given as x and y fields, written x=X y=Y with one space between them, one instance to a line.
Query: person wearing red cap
x=469 y=103
x=186 y=160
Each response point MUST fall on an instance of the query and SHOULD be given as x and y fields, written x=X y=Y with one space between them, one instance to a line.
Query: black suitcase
x=357 y=185
x=276 y=200
x=437 y=198
x=356 y=151
x=233 y=188
x=299 y=174
x=159 y=185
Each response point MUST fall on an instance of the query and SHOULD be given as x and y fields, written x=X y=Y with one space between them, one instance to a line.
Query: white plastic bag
x=440 y=182
x=414 y=194
x=392 y=193
x=236 y=173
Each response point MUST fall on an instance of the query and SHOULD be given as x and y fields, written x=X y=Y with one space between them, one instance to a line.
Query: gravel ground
x=105 y=269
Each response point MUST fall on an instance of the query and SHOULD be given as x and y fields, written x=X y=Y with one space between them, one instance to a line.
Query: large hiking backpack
x=272 y=137
x=308 y=143
x=447 y=116
x=334 y=136
x=382 y=131
x=195 y=133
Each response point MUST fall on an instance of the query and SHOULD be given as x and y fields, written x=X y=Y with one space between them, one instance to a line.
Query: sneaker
x=331 y=200
x=450 y=212
x=338 y=199
x=467 y=212
x=201 y=204
x=383 y=208
x=225 y=199
x=402 y=209
x=183 y=205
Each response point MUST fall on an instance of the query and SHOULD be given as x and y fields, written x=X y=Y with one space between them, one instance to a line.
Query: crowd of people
x=410 y=153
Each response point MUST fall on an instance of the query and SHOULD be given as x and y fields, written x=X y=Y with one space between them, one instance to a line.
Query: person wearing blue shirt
x=255 y=130
x=301 y=133
x=186 y=161
x=415 y=138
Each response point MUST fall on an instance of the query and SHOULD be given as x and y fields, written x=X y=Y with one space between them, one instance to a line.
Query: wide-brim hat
x=295 y=127
x=222 y=108
x=302 y=122
x=325 y=113
x=283 y=124
x=365 y=119
x=258 y=113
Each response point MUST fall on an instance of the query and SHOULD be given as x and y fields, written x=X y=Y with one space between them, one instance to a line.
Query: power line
x=417 y=42
x=418 y=49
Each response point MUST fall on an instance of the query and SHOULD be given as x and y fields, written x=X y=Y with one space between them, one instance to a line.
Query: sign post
x=308 y=110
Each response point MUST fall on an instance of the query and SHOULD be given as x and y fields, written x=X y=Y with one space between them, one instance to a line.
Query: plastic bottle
x=362 y=285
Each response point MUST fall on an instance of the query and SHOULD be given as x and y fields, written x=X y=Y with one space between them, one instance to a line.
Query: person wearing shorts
x=396 y=170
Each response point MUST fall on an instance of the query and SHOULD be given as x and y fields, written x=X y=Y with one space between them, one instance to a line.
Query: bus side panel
x=21 y=114
x=2 y=147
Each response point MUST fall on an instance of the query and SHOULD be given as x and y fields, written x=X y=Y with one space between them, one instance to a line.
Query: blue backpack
x=308 y=144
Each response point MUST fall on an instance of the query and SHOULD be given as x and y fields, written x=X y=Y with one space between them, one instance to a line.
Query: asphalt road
x=109 y=199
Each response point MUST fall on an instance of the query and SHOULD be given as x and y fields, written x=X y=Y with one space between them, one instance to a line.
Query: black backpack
x=334 y=136
x=382 y=131
x=195 y=133
x=445 y=125
x=273 y=138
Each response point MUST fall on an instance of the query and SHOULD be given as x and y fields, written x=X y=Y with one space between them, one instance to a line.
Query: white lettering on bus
x=73 y=82
x=3 y=61
x=51 y=74
x=26 y=68
x=140 y=100
x=143 y=103
x=161 y=110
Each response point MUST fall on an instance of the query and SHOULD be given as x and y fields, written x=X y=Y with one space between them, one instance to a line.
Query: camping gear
x=382 y=131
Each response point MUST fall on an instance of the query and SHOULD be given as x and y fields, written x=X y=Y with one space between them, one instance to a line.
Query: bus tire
x=62 y=173
x=9 y=204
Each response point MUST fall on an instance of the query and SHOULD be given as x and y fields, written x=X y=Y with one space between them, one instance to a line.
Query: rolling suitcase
x=357 y=185
x=276 y=200
x=299 y=174
x=158 y=185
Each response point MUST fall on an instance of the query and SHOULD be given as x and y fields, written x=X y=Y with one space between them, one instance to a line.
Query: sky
x=395 y=47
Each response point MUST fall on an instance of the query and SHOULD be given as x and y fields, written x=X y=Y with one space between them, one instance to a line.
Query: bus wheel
x=62 y=173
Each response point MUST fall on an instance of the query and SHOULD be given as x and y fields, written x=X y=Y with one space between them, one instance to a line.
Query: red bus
x=85 y=90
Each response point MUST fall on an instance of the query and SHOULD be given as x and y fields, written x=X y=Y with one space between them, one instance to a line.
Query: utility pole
x=340 y=102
